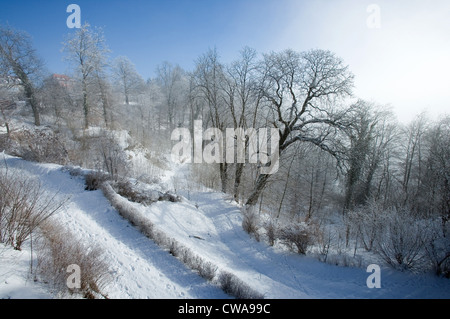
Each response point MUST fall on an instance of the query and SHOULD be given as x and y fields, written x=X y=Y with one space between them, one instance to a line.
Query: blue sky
x=150 y=32
x=405 y=63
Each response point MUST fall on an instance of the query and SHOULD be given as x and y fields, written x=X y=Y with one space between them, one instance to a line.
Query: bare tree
x=209 y=78
x=18 y=60
x=56 y=99
x=435 y=188
x=174 y=88
x=412 y=165
x=104 y=91
x=302 y=92
x=243 y=101
x=371 y=132
x=7 y=106
x=126 y=77
x=86 y=50
x=103 y=87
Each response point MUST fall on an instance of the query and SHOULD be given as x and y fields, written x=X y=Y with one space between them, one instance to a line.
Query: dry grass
x=58 y=249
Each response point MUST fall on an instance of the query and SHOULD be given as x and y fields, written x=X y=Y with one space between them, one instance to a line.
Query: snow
x=15 y=279
x=140 y=269
x=210 y=225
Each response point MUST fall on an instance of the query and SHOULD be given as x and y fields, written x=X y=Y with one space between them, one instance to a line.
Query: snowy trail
x=140 y=269
x=274 y=273
x=210 y=225
x=255 y=257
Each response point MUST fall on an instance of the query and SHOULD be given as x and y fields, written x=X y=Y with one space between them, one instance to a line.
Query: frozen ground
x=210 y=225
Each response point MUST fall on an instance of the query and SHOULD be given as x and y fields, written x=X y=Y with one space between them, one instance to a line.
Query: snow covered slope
x=275 y=273
x=140 y=268
x=211 y=226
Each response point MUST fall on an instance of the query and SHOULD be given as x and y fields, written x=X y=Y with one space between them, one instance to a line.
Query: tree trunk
x=237 y=180
x=35 y=108
x=85 y=105
x=286 y=184
x=29 y=93
x=223 y=176
x=105 y=102
x=260 y=184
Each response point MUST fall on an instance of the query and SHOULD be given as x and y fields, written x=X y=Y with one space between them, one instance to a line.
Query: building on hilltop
x=62 y=79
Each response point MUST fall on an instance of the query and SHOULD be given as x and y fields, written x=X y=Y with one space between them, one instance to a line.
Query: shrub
x=112 y=155
x=94 y=180
x=401 y=244
x=169 y=197
x=58 y=249
x=367 y=223
x=297 y=236
x=271 y=232
x=174 y=248
x=437 y=247
x=400 y=238
x=147 y=228
x=24 y=205
x=233 y=286
x=137 y=194
x=39 y=145
x=126 y=189
x=250 y=221
x=206 y=269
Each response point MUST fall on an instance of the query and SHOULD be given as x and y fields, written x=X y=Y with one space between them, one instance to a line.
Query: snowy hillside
x=208 y=224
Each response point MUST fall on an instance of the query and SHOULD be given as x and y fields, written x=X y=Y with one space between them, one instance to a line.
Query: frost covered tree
x=174 y=85
x=127 y=78
x=370 y=135
x=302 y=92
x=412 y=161
x=243 y=100
x=208 y=78
x=86 y=49
x=434 y=189
x=56 y=100
x=21 y=65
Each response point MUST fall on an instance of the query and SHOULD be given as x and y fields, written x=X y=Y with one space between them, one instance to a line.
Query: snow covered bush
x=100 y=150
x=41 y=145
x=112 y=155
x=24 y=206
x=139 y=193
x=298 y=236
x=400 y=238
x=234 y=286
x=366 y=223
x=126 y=189
x=58 y=249
x=204 y=268
x=271 y=231
x=437 y=247
x=250 y=221
x=94 y=180
x=401 y=243
x=174 y=248
x=167 y=196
